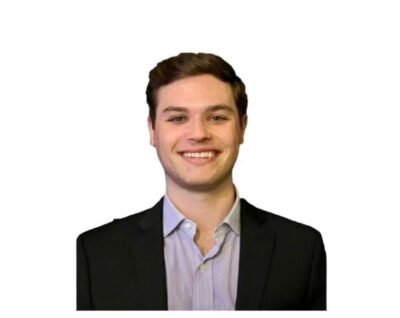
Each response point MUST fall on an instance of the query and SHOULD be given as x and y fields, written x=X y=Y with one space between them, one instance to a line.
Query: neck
x=206 y=208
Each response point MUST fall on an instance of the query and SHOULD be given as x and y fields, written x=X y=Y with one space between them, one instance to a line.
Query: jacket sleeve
x=317 y=286
x=84 y=301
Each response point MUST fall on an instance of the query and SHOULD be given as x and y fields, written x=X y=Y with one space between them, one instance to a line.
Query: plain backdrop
x=322 y=144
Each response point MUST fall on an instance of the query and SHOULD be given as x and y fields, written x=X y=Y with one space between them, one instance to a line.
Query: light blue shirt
x=194 y=281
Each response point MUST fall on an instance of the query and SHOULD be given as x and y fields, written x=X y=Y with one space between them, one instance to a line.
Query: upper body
x=197 y=120
x=122 y=265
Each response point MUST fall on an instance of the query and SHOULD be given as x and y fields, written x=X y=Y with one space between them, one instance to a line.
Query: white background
x=322 y=145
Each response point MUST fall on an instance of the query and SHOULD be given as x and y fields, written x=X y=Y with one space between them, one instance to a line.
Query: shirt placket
x=204 y=283
x=203 y=289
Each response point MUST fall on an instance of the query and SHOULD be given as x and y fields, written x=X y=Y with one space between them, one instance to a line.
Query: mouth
x=199 y=157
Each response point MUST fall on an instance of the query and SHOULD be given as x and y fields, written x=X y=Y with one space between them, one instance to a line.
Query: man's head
x=197 y=119
x=191 y=64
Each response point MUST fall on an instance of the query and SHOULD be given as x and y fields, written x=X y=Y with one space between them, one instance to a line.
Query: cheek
x=231 y=137
x=166 y=139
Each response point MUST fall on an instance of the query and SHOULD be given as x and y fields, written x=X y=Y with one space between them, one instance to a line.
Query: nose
x=198 y=131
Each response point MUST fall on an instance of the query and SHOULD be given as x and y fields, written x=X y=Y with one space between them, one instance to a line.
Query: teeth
x=207 y=154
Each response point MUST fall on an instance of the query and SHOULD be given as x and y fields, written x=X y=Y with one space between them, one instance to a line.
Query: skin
x=198 y=114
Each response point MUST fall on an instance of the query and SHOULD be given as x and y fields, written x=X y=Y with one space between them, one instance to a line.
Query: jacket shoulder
x=119 y=228
x=279 y=224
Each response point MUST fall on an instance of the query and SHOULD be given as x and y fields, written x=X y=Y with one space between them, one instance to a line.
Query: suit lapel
x=148 y=251
x=256 y=247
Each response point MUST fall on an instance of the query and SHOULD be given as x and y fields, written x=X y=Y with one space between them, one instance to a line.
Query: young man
x=201 y=246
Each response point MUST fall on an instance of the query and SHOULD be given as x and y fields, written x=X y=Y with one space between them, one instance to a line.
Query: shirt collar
x=172 y=217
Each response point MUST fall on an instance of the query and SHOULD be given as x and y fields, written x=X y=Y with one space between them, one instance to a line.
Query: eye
x=176 y=119
x=218 y=119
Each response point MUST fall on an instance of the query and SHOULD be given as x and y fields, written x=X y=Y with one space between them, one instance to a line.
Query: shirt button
x=202 y=267
x=188 y=226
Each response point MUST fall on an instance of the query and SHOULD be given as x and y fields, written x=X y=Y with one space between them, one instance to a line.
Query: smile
x=200 y=157
x=205 y=154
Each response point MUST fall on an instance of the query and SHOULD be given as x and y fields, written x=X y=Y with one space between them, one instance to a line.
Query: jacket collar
x=256 y=247
x=148 y=249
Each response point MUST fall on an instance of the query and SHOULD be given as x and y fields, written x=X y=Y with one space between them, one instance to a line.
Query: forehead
x=198 y=91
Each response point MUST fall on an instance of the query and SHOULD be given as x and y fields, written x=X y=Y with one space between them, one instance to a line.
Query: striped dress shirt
x=196 y=281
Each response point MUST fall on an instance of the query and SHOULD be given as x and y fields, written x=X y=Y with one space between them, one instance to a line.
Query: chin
x=198 y=187
x=201 y=184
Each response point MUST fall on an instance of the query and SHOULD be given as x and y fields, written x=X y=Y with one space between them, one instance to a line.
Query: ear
x=151 y=130
x=243 y=126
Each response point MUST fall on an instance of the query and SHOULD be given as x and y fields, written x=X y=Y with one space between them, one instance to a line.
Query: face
x=197 y=132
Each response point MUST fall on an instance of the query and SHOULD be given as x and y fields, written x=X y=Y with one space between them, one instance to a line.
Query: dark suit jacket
x=282 y=264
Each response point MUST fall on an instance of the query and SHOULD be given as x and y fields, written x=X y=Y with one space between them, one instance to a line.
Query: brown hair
x=192 y=64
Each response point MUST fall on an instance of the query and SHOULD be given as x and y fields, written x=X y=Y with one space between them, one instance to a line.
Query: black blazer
x=282 y=266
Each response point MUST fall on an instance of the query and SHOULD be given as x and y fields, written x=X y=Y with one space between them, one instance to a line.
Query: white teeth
x=207 y=154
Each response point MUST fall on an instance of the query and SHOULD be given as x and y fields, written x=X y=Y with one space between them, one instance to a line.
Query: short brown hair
x=192 y=64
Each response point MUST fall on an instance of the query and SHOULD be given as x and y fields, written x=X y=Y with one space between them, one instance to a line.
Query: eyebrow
x=211 y=108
